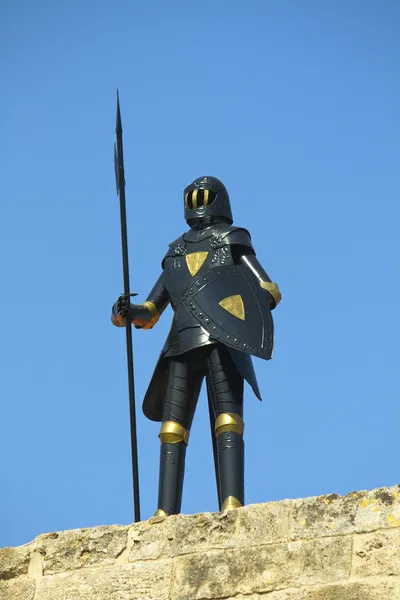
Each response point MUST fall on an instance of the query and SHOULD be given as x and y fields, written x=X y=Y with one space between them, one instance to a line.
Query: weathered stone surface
x=14 y=562
x=248 y=570
x=357 y=512
x=149 y=540
x=17 y=589
x=376 y=553
x=374 y=589
x=69 y=550
x=355 y=590
x=380 y=509
x=181 y=534
x=149 y=580
x=204 y=532
x=326 y=548
x=261 y=524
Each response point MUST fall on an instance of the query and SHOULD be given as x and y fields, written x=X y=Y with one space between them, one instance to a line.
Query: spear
x=120 y=182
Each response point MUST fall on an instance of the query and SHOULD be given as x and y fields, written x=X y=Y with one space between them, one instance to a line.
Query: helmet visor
x=198 y=198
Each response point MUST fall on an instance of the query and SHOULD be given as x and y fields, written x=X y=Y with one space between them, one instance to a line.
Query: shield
x=232 y=307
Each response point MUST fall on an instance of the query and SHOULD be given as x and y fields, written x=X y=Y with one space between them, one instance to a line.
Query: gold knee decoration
x=229 y=422
x=173 y=433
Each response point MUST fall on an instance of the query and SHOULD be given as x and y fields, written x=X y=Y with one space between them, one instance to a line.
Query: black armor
x=207 y=200
x=222 y=301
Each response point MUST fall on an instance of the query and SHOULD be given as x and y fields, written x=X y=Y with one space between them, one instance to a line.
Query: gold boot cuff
x=173 y=433
x=160 y=513
x=230 y=503
x=229 y=422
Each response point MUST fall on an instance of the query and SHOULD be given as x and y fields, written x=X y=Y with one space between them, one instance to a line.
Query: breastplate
x=192 y=258
x=185 y=260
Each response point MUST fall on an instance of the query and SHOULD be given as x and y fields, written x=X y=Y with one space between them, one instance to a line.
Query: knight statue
x=222 y=301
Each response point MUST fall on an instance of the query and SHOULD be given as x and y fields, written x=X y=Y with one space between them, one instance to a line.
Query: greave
x=230 y=448
x=172 y=467
x=174 y=439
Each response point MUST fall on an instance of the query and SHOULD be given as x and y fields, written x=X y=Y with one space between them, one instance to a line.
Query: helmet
x=207 y=201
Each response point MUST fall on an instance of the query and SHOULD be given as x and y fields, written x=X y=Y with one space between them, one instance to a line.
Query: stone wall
x=324 y=548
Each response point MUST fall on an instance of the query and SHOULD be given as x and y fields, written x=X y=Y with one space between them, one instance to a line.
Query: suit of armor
x=212 y=336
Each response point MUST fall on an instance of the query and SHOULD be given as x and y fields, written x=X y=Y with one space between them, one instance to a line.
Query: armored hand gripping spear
x=120 y=183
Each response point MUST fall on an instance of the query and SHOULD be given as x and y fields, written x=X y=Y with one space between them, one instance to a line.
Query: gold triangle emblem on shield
x=234 y=305
x=195 y=261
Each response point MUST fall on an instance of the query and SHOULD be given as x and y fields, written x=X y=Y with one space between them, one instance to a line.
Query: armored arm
x=250 y=261
x=143 y=316
x=243 y=253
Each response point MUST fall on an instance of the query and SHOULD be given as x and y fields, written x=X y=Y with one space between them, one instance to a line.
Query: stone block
x=258 y=570
x=357 y=512
x=17 y=589
x=148 y=540
x=380 y=509
x=204 y=532
x=181 y=534
x=373 y=589
x=376 y=553
x=261 y=524
x=388 y=589
x=14 y=562
x=150 y=580
x=78 y=548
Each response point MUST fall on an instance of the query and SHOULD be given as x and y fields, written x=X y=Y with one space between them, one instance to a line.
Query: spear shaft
x=120 y=181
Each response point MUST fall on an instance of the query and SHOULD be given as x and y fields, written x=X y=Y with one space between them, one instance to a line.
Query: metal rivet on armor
x=207 y=320
x=236 y=341
x=214 y=328
x=190 y=291
x=201 y=315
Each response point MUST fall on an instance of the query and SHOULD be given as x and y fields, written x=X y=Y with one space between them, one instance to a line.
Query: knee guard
x=173 y=433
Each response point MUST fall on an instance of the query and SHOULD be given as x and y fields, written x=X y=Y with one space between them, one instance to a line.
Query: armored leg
x=179 y=405
x=225 y=385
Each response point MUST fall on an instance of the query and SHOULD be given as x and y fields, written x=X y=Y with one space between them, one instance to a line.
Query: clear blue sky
x=295 y=106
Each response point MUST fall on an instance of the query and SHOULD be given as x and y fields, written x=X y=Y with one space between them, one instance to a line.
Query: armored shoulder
x=174 y=248
x=238 y=236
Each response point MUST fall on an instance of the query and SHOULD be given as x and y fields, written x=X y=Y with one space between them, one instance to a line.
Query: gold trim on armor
x=230 y=503
x=173 y=433
x=229 y=422
x=160 y=513
x=234 y=305
x=154 y=314
x=206 y=195
x=195 y=261
x=186 y=200
x=194 y=198
x=273 y=289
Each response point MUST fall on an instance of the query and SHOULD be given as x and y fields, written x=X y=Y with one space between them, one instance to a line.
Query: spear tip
x=118 y=127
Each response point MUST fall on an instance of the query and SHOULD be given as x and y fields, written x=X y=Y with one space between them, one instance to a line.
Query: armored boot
x=174 y=439
x=230 y=451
